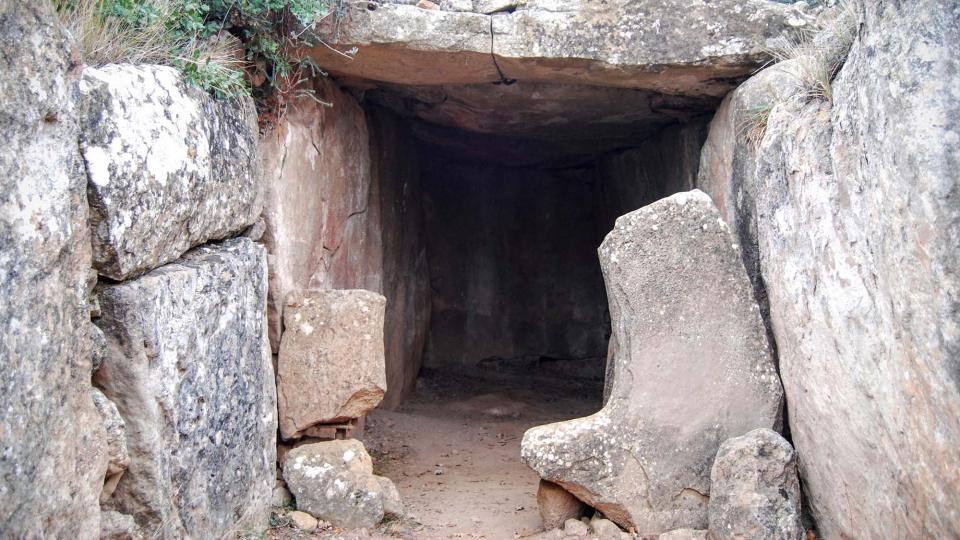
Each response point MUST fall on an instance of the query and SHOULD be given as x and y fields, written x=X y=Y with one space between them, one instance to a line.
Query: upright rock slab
x=322 y=232
x=169 y=167
x=754 y=489
x=855 y=221
x=188 y=366
x=692 y=369
x=52 y=451
x=331 y=366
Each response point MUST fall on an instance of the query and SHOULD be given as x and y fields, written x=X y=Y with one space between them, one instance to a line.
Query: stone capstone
x=188 y=366
x=686 y=324
x=331 y=363
x=52 y=442
x=589 y=76
x=754 y=489
x=169 y=167
x=334 y=481
x=557 y=505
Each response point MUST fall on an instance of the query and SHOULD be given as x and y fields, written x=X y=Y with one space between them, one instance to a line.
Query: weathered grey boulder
x=754 y=489
x=604 y=529
x=189 y=369
x=334 y=481
x=856 y=224
x=52 y=455
x=331 y=365
x=392 y=502
x=117 y=526
x=118 y=458
x=169 y=167
x=692 y=369
x=557 y=505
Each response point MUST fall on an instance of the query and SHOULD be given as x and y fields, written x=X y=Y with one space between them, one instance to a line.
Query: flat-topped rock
x=668 y=45
x=692 y=369
x=331 y=363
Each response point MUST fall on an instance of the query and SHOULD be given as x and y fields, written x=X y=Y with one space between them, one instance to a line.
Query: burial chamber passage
x=518 y=185
x=528 y=127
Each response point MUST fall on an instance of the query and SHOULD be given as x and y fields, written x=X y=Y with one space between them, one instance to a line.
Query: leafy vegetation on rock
x=228 y=47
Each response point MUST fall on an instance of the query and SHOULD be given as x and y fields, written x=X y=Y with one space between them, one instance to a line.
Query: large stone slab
x=331 y=366
x=665 y=45
x=169 y=166
x=52 y=455
x=188 y=366
x=855 y=223
x=396 y=175
x=692 y=368
x=321 y=230
x=754 y=489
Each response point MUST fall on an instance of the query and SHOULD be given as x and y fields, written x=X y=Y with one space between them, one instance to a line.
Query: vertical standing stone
x=692 y=369
x=188 y=365
x=52 y=453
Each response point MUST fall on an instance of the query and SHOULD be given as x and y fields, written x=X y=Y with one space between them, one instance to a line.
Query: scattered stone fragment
x=281 y=495
x=604 y=528
x=303 y=520
x=392 y=502
x=331 y=364
x=575 y=527
x=557 y=505
x=686 y=324
x=117 y=455
x=755 y=492
x=427 y=4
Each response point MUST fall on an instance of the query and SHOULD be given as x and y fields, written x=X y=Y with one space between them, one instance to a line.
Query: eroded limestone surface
x=692 y=369
x=331 y=363
x=850 y=207
x=52 y=454
x=169 y=167
x=188 y=366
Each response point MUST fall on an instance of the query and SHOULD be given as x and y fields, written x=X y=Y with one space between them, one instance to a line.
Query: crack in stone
x=503 y=78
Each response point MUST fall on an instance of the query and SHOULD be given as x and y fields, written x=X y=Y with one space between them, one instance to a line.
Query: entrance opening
x=515 y=198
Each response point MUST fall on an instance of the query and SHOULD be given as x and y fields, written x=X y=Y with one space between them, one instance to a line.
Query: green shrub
x=228 y=47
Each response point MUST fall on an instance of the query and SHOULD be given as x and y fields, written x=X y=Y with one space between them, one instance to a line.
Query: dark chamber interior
x=515 y=204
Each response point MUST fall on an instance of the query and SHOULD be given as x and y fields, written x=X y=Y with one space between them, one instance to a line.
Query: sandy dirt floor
x=454 y=451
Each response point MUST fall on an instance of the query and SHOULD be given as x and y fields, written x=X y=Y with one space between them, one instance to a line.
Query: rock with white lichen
x=334 y=481
x=692 y=369
x=169 y=167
